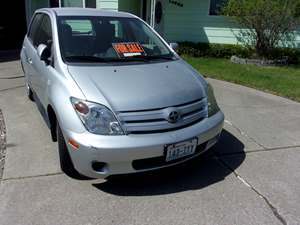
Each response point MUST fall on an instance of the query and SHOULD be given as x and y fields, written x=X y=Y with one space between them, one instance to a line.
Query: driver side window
x=42 y=31
x=34 y=27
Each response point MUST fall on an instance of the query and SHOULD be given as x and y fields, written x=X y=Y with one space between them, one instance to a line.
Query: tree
x=268 y=23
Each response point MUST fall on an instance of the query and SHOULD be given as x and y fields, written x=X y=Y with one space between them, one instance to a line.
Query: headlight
x=96 y=118
x=213 y=107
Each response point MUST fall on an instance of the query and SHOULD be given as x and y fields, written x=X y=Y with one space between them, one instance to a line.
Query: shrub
x=213 y=50
x=227 y=50
x=269 y=23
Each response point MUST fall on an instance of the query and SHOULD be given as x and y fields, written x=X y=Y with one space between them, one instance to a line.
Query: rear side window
x=34 y=26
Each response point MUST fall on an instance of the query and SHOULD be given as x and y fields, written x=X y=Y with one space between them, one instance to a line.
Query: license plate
x=180 y=150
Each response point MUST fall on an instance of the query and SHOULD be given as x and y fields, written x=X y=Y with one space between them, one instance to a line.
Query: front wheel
x=66 y=163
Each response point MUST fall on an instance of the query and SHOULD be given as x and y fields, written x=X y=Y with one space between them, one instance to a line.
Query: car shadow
x=198 y=173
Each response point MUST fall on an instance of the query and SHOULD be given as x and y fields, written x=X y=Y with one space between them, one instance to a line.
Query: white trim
x=83 y=3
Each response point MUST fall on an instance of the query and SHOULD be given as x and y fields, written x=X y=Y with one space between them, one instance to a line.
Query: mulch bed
x=260 y=62
x=2 y=143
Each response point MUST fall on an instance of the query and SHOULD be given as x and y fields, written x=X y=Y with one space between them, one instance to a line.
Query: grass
x=283 y=81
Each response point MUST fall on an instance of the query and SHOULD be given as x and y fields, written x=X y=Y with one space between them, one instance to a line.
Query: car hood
x=139 y=86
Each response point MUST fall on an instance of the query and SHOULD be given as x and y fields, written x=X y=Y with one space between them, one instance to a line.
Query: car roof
x=72 y=11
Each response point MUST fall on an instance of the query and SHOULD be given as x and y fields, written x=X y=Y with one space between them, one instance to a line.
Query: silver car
x=116 y=97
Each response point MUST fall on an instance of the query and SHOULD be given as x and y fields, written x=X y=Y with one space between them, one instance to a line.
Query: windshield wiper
x=153 y=57
x=83 y=58
x=94 y=59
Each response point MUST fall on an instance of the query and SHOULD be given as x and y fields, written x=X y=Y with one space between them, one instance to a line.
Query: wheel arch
x=53 y=122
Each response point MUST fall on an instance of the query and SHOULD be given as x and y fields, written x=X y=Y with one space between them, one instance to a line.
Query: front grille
x=156 y=121
x=143 y=164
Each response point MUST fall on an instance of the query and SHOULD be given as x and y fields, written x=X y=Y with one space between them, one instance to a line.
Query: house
x=175 y=20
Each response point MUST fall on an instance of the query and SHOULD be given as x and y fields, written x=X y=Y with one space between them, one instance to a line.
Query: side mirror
x=174 y=46
x=44 y=53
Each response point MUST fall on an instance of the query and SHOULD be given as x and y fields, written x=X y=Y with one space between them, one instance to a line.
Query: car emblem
x=173 y=117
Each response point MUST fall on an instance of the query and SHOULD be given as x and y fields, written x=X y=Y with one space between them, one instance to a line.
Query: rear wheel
x=29 y=92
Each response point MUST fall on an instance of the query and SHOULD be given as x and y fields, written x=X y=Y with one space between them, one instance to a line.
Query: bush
x=269 y=23
x=227 y=50
x=292 y=54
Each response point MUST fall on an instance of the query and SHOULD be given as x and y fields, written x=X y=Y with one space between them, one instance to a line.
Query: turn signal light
x=73 y=144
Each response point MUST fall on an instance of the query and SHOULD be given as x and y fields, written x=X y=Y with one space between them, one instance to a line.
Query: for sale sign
x=128 y=49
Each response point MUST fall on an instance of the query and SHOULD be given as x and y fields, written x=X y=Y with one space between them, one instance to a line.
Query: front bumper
x=116 y=154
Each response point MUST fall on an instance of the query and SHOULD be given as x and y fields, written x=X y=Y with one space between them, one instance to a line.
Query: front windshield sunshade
x=108 y=39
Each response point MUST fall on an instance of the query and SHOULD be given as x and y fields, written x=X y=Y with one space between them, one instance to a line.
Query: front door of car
x=42 y=70
x=29 y=51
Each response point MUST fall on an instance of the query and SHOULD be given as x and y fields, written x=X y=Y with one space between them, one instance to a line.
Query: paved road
x=251 y=177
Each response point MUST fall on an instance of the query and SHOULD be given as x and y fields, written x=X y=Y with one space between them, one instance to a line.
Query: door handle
x=29 y=60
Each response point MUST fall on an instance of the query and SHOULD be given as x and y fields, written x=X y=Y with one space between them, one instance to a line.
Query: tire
x=66 y=163
x=29 y=92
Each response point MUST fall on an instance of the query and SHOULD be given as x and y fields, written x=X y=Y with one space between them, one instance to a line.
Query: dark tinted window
x=34 y=25
x=44 y=33
x=54 y=3
x=216 y=6
x=90 y=3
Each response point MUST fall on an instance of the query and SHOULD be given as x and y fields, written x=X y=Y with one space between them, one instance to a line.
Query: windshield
x=108 y=39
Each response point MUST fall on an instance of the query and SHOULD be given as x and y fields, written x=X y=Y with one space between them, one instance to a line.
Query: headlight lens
x=213 y=107
x=96 y=118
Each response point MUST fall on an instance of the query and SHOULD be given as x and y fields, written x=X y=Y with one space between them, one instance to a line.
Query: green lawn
x=283 y=81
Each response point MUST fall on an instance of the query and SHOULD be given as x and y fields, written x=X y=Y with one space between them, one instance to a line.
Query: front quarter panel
x=61 y=87
x=60 y=90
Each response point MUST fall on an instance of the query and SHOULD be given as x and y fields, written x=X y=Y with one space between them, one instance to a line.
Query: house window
x=90 y=3
x=216 y=6
x=54 y=3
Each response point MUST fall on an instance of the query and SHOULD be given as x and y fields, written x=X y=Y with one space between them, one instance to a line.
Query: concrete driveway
x=251 y=177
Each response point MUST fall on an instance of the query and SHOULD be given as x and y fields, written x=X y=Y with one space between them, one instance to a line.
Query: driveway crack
x=249 y=185
x=33 y=176
x=244 y=134
x=12 y=88
x=12 y=77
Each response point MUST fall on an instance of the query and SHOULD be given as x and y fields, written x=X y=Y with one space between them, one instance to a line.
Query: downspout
x=152 y=13
x=28 y=11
